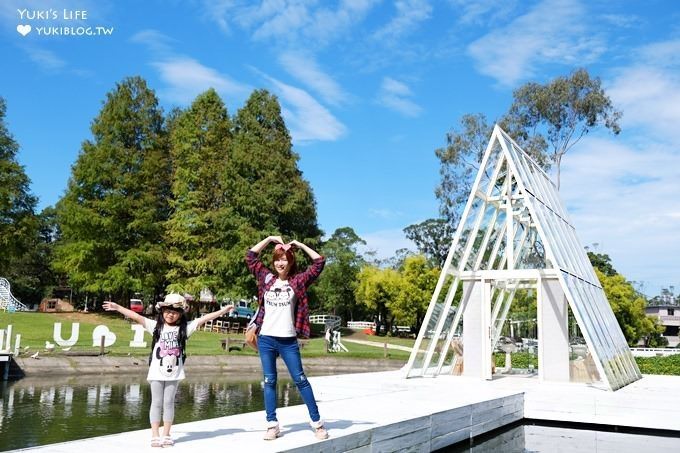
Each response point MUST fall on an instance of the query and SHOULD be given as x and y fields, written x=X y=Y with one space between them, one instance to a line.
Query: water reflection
x=551 y=439
x=42 y=411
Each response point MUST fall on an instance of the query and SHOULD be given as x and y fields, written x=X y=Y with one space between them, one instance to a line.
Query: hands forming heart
x=285 y=247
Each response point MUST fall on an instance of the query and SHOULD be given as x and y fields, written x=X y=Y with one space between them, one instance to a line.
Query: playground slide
x=7 y=301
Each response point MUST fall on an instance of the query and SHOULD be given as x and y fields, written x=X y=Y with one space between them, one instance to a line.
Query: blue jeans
x=272 y=347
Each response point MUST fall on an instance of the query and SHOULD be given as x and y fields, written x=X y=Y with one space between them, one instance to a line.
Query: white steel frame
x=515 y=208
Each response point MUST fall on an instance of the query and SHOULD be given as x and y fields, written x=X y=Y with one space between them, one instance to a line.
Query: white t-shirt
x=279 y=305
x=166 y=359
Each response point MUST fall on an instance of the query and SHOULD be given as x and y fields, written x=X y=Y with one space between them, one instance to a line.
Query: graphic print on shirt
x=279 y=295
x=168 y=352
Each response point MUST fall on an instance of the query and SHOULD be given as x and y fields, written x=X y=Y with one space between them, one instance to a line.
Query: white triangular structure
x=7 y=301
x=515 y=234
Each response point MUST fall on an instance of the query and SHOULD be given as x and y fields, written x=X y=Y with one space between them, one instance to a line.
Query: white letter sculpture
x=75 y=327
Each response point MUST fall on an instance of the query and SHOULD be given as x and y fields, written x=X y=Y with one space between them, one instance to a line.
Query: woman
x=282 y=316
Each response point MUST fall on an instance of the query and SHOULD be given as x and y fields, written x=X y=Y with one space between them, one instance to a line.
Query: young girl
x=170 y=331
x=282 y=316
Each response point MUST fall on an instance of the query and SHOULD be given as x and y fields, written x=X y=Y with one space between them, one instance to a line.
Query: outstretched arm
x=112 y=306
x=215 y=314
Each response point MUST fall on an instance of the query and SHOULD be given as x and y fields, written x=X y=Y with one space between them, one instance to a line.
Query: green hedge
x=659 y=365
x=669 y=365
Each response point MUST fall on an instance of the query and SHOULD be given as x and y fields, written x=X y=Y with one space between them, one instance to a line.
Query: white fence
x=654 y=352
x=331 y=321
x=361 y=325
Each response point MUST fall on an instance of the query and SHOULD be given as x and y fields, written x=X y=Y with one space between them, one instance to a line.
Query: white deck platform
x=384 y=412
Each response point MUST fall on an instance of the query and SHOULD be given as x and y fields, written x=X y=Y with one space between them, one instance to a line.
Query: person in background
x=170 y=331
x=282 y=317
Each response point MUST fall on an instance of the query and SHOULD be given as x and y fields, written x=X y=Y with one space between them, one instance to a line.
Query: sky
x=369 y=90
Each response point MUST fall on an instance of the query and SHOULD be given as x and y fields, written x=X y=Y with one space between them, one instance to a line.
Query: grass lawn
x=37 y=328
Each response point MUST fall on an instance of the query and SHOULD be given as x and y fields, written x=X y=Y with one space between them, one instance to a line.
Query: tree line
x=160 y=202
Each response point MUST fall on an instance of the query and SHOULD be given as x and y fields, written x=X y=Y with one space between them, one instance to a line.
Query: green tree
x=418 y=281
x=629 y=308
x=338 y=282
x=201 y=219
x=459 y=164
x=269 y=190
x=602 y=262
x=563 y=111
x=113 y=212
x=266 y=187
x=432 y=238
x=377 y=289
x=19 y=226
x=545 y=120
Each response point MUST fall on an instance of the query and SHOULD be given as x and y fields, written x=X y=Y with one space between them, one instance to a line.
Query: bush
x=669 y=365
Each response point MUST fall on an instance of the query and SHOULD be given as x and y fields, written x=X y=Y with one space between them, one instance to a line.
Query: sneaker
x=321 y=433
x=272 y=433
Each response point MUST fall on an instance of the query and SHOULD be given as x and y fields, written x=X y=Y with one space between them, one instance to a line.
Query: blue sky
x=369 y=90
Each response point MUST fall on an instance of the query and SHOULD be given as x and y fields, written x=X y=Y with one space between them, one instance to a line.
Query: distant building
x=669 y=317
x=55 y=305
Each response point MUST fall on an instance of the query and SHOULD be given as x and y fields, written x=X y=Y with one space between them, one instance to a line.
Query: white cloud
x=45 y=59
x=305 y=69
x=307 y=119
x=481 y=11
x=622 y=21
x=396 y=96
x=385 y=213
x=285 y=21
x=385 y=242
x=551 y=32
x=624 y=197
x=648 y=91
x=157 y=42
x=186 y=78
x=410 y=13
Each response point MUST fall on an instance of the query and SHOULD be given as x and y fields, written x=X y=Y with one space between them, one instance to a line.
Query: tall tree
x=266 y=187
x=629 y=308
x=459 y=164
x=432 y=238
x=418 y=281
x=337 y=284
x=562 y=111
x=272 y=193
x=201 y=220
x=602 y=262
x=113 y=212
x=19 y=226
x=377 y=289
x=545 y=120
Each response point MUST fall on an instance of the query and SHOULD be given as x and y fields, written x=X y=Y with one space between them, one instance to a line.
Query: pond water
x=41 y=411
x=525 y=437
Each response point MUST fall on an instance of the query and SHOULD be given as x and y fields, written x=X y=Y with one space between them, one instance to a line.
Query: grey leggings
x=162 y=397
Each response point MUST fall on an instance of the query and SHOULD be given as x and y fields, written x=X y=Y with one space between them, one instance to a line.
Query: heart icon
x=24 y=29
x=103 y=331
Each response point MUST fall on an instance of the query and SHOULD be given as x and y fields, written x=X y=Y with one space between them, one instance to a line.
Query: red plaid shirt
x=298 y=282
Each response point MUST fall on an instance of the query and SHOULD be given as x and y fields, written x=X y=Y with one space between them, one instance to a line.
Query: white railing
x=7 y=301
x=654 y=352
x=330 y=321
x=361 y=325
